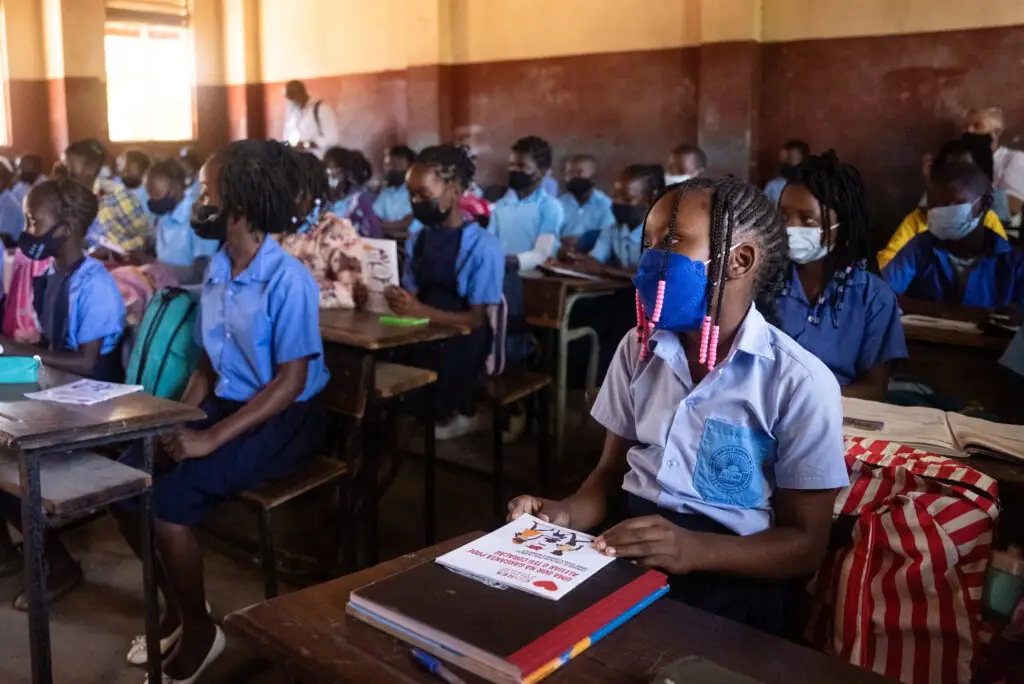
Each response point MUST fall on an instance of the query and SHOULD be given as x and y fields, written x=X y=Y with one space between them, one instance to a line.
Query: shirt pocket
x=730 y=464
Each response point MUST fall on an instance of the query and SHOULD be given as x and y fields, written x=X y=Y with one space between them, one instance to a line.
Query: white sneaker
x=459 y=426
x=219 y=642
x=137 y=654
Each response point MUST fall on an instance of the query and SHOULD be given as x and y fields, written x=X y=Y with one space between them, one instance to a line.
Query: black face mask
x=394 y=179
x=428 y=212
x=131 y=183
x=41 y=247
x=519 y=180
x=209 y=223
x=628 y=214
x=30 y=177
x=162 y=205
x=579 y=186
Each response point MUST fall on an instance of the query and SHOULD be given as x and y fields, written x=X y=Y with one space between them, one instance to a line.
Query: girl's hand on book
x=652 y=541
x=545 y=509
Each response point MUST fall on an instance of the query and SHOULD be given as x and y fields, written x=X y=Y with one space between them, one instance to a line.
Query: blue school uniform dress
x=452 y=270
x=862 y=330
x=176 y=243
x=619 y=245
x=924 y=270
x=80 y=306
x=518 y=222
x=249 y=325
x=392 y=204
x=586 y=221
x=12 y=218
x=710 y=457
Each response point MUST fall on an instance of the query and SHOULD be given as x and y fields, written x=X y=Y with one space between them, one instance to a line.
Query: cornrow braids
x=259 y=181
x=450 y=163
x=738 y=210
x=71 y=202
x=313 y=178
x=838 y=188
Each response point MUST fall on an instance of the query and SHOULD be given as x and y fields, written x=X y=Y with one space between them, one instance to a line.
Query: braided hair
x=259 y=181
x=72 y=203
x=839 y=188
x=738 y=209
x=353 y=164
x=450 y=163
x=536 y=147
x=312 y=179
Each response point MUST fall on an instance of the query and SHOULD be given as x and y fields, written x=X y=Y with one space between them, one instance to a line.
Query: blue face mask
x=954 y=222
x=686 y=280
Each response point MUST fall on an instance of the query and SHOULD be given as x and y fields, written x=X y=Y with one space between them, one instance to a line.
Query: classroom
x=612 y=341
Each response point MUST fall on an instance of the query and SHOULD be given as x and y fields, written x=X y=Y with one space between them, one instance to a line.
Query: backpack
x=901 y=595
x=165 y=352
x=316 y=116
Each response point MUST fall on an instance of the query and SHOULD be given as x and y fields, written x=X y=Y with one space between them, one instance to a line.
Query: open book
x=941 y=432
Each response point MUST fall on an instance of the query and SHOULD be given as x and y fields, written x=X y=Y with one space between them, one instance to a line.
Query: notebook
x=934 y=430
x=500 y=633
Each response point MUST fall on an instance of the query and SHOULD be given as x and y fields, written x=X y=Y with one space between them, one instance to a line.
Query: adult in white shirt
x=308 y=124
x=1008 y=164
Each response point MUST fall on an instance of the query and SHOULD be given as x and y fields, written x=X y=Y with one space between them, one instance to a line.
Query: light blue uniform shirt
x=774 y=189
x=618 y=245
x=593 y=215
x=176 y=243
x=480 y=265
x=770 y=415
x=517 y=223
x=95 y=307
x=20 y=190
x=392 y=204
x=12 y=218
x=266 y=316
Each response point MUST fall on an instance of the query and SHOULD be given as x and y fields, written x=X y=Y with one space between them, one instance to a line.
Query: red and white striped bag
x=903 y=597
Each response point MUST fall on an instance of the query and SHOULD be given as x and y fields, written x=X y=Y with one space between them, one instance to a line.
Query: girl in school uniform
x=169 y=201
x=82 y=316
x=262 y=368
x=831 y=304
x=454 y=271
x=348 y=171
x=725 y=433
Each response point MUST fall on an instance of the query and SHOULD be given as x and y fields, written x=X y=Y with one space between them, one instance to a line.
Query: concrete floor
x=91 y=628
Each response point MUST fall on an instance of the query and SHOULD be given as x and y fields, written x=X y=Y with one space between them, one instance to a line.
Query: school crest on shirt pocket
x=730 y=463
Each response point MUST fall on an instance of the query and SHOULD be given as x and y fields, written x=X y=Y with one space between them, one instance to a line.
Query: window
x=150 y=70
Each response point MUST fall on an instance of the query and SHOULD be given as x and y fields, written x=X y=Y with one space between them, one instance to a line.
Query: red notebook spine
x=552 y=644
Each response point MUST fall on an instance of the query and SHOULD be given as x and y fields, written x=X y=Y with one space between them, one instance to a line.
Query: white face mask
x=681 y=178
x=805 y=244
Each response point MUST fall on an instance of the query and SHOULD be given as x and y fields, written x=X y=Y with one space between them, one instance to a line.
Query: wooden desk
x=957 y=338
x=363 y=330
x=549 y=300
x=309 y=633
x=30 y=430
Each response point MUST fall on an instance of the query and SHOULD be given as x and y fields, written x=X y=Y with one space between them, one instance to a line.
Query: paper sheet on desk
x=557 y=270
x=84 y=392
x=940 y=323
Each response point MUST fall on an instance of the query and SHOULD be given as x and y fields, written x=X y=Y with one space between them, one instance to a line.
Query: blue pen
x=435 y=667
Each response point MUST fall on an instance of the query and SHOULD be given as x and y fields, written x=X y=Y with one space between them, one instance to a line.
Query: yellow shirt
x=915 y=223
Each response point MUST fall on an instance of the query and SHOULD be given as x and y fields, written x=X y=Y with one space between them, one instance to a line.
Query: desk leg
x=371 y=464
x=147 y=524
x=430 y=469
x=34 y=526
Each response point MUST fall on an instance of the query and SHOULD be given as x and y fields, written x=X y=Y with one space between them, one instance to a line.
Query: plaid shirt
x=122 y=222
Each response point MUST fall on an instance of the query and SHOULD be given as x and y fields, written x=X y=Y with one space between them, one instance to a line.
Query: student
x=731 y=473
x=916 y=222
x=526 y=220
x=1008 y=171
x=791 y=155
x=12 y=219
x=132 y=167
x=348 y=171
x=587 y=210
x=122 y=224
x=455 y=270
x=308 y=124
x=976 y=149
x=684 y=163
x=392 y=204
x=29 y=171
x=82 y=317
x=262 y=367
x=958 y=267
x=853 y=325
x=171 y=204
x=189 y=157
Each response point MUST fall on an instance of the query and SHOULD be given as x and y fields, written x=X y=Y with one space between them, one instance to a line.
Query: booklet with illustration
x=84 y=392
x=531 y=555
x=380 y=270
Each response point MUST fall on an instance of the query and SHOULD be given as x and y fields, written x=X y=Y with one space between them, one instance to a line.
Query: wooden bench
x=76 y=482
x=501 y=392
x=392 y=379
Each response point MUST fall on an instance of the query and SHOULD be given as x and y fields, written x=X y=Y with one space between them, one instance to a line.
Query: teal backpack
x=165 y=352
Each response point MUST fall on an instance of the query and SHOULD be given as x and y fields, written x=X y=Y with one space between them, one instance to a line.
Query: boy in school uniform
x=958 y=267
x=587 y=210
x=831 y=304
x=262 y=368
x=527 y=220
x=82 y=316
x=176 y=244
x=392 y=203
x=725 y=434
x=684 y=163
